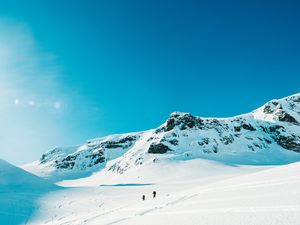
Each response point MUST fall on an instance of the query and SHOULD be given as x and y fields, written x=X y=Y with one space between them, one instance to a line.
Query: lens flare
x=57 y=105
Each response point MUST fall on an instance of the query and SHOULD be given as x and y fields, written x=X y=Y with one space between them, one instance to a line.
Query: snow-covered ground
x=19 y=194
x=188 y=192
x=240 y=170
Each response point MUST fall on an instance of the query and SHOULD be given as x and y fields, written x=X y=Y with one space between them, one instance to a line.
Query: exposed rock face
x=91 y=154
x=271 y=107
x=170 y=124
x=285 y=117
x=183 y=121
x=248 y=127
x=158 y=148
x=274 y=126
x=289 y=142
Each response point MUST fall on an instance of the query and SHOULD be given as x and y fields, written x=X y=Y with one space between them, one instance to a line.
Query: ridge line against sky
x=72 y=72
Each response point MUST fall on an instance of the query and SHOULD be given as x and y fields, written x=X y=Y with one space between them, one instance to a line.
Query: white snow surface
x=19 y=193
x=206 y=171
x=188 y=192
x=15 y=178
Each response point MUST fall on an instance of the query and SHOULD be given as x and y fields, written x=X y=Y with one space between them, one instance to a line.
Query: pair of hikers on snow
x=153 y=193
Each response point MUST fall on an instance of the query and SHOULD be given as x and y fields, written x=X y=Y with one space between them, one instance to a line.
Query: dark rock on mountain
x=285 y=117
x=158 y=148
x=289 y=142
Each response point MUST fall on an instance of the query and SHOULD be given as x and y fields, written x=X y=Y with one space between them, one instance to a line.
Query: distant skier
x=143 y=197
x=154 y=194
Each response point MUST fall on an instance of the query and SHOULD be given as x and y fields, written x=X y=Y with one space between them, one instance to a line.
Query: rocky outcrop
x=90 y=155
x=285 y=117
x=289 y=142
x=183 y=121
x=158 y=148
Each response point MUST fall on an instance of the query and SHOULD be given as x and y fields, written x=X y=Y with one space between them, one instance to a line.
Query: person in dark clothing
x=143 y=197
x=154 y=194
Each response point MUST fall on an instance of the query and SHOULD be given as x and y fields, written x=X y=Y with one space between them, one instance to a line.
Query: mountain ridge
x=266 y=136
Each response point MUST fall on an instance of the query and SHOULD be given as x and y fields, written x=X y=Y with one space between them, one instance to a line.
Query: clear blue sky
x=80 y=69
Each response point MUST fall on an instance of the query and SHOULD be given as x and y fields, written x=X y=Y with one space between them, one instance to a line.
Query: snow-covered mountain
x=269 y=135
x=201 y=168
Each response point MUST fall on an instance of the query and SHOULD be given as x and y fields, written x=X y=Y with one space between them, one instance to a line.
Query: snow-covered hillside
x=269 y=135
x=19 y=192
x=211 y=171
x=188 y=192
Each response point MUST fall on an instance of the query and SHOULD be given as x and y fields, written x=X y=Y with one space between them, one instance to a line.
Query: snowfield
x=243 y=170
x=19 y=193
x=191 y=192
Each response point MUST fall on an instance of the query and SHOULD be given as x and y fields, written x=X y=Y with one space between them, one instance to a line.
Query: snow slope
x=209 y=171
x=200 y=192
x=19 y=192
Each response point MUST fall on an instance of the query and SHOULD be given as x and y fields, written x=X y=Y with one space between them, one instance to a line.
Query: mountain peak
x=177 y=114
x=181 y=120
x=280 y=110
x=267 y=136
